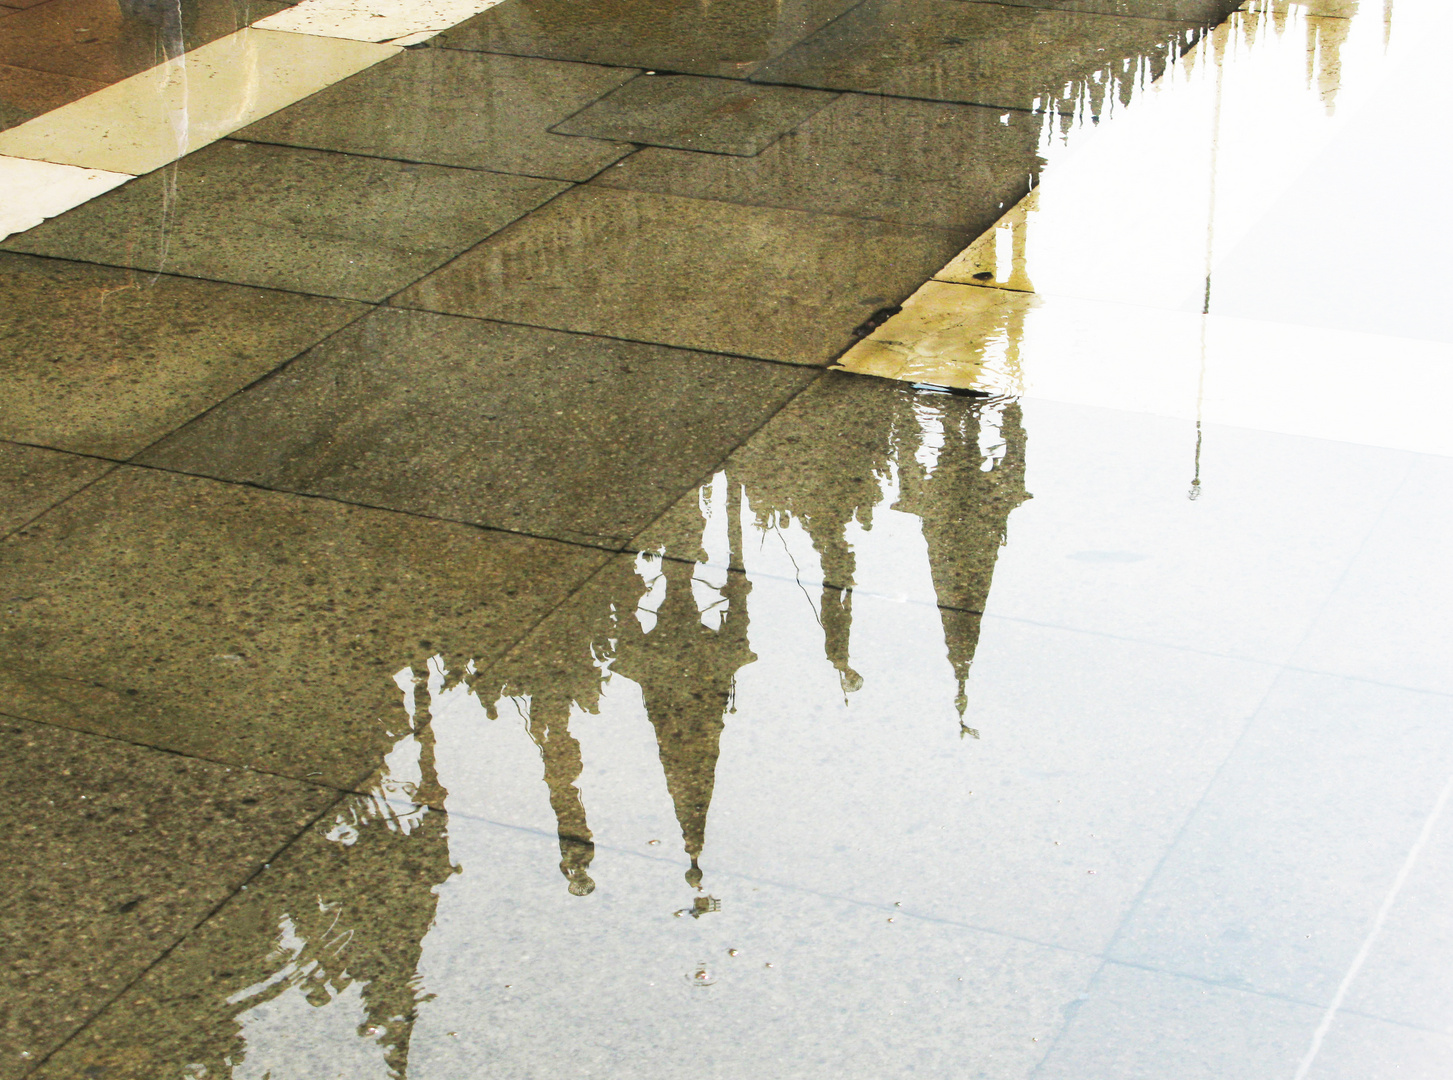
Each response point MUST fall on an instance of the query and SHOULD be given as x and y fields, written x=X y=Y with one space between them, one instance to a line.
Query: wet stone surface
x=116 y=852
x=947 y=166
x=730 y=39
x=693 y=273
x=250 y=627
x=562 y=435
x=339 y=225
x=720 y=116
x=33 y=479
x=105 y=42
x=452 y=108
x=982 y=54
x=106 y=361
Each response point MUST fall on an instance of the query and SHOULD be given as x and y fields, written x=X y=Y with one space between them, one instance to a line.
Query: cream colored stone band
x=68 y=156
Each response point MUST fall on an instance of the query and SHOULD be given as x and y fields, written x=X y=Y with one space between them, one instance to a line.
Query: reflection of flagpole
x=1195 y=491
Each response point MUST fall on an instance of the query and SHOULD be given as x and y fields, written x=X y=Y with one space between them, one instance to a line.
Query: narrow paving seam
x=186 y=934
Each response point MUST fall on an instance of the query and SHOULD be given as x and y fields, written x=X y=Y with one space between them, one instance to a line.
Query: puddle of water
x=1228 y=246
x=755 y=796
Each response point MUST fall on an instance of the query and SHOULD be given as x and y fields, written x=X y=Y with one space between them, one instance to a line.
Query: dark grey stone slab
x=104 y=41
x=115 y=852
x=252 y=627
x=33 y=479
x=694 y=273
x=332 y=224
x=106 y=361
x=719 y=116
x=983 y=54
x=912 y=162
x=477 y=110
x=730 y=37
x=510 y=426
x=25 y=93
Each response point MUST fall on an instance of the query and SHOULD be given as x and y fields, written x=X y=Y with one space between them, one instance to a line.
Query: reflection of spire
x=963 y=493
x=549 y=727
x=687 y=674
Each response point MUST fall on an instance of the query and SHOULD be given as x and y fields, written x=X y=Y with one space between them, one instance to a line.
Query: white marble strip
x=159 y=115
x=31 y=191
x=403 y=22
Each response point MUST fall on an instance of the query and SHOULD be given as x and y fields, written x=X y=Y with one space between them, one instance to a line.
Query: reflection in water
x=342 y=964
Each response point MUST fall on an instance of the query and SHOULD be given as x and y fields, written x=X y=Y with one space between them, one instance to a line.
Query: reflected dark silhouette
x=687 y=673
x=956 y=463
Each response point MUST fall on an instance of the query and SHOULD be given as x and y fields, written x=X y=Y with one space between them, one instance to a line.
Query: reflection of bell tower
x=687 y=674
x=963 y=492
x=549 y=727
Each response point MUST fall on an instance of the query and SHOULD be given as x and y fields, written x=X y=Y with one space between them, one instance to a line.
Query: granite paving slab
x=554 y=434
x=694 y=273
x=106 y=361
x=105 y=42
x=911 y=162
x=478 y=110
x=25 y=93
x=332 y=224
x=983 y=54
x=729 y=38
x=115 y=852
x=33 y=479
x=719 y=116
x=252 y=627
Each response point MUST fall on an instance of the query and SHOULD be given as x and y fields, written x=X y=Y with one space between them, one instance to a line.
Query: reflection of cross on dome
x=687 y=674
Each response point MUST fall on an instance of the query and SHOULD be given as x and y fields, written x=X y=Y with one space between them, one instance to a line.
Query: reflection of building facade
x=956 y=463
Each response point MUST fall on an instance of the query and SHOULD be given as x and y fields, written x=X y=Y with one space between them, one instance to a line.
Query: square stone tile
x=25 y=93
x=698 y=274
x=982 y=54
x=1391 y=617
x=251 y=627
x=509 y=426
x=1146 y=1025
x=114 y=852
x=476 y=110
x=911 y=162
x=730 y=38
x=33 y=480
x=445 y=946
x=104 y=42
x=719 y=116
x=335 y=224
x=1277 y=879
x=106 y=361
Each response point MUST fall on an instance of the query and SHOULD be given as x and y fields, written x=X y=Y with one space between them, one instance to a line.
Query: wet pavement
x=905 y=538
